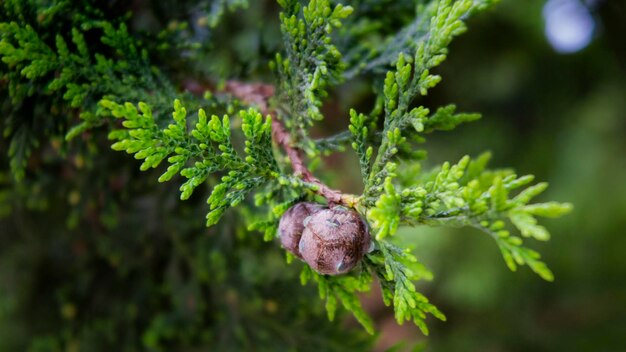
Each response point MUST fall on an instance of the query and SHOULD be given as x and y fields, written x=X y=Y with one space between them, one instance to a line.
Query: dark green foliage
x=466 y=195
x=207 y=148
x=51 y=56
x=312 y=62
x=84 y=77
x=397 y=270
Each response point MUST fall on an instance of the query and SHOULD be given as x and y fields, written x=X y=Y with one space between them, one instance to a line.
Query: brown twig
x=259 y=94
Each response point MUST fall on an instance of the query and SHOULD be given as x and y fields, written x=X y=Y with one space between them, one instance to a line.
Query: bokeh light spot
x=569 y=25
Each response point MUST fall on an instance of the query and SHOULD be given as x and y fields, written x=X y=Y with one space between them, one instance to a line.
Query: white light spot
x=569 y=25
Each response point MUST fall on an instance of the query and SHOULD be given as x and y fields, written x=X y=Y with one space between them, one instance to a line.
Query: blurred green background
x=558 y=115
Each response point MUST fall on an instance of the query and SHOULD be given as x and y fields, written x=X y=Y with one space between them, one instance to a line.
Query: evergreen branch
x=207 y=148
x=515 y=254
x=366 y=58
x=312 y=62
x=283 y=138
x=75 y=73
x=82 y=77
x=466 y=194
x=363 y=130
x=343 y=288
x=397 y=270
x=406 y=40
x=412 y=77
x=360 y=134
x=39 y=57
x=333 y=143
x=259 y=94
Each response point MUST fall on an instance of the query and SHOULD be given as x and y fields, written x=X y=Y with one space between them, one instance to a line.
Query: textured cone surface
x=291 y=225
x=334 y=240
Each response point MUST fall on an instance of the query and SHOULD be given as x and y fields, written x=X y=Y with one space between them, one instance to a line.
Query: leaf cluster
x=310 y=64
x=71 y=53
x=466 y=194
x=114 y=77
x=40 y=58
x=200 y=152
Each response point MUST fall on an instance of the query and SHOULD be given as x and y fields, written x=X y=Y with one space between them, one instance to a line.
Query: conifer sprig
x=311 y=63
x=271 y=158
x=342 y=289
x=365 y=58
x=466 y=194
x=199 y=153
x=412 y=77
x=39 y=58
x=397 y=270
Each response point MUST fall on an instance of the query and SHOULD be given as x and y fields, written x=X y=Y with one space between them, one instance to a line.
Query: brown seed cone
x=291 y=225
x=334 y=240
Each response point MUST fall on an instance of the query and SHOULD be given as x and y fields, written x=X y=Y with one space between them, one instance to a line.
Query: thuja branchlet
x=345 y=240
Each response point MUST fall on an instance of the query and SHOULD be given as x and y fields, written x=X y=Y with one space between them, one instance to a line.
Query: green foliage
x=371 y=53
x=409 y=80
x=57 y=62
x=343 y=289
x=360 y=133
x=199 y=153
x=466 y=194
x=312 y=62
x=378 y=56
x=397 y=270
x=451 y=196
x=42 y=58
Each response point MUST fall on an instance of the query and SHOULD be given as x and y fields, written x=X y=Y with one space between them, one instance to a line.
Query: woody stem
x=259 y=94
